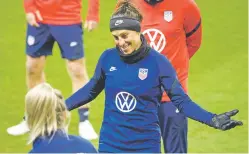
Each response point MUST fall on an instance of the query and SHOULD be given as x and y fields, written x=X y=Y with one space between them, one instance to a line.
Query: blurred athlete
x=173 y=28
x=58 y=21
x=47 y=117
x=133 y=76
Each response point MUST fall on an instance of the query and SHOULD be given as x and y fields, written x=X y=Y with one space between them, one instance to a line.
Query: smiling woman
x=133 y=76
x=125 y=28
x=127 y=40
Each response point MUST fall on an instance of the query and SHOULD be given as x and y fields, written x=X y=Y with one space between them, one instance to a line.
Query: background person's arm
x=192 y=26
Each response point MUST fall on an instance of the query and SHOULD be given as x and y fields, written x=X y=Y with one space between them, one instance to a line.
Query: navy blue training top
x=62 y=143
x=132 y=95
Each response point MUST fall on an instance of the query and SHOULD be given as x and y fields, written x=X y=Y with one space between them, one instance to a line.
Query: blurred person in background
x=47 y=118
x=58 y=21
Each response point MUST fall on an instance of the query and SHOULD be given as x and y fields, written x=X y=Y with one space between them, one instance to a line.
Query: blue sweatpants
x=174 y=128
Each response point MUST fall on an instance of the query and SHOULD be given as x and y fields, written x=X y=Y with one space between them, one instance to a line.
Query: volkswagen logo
x=125 y=101
x=155 y=38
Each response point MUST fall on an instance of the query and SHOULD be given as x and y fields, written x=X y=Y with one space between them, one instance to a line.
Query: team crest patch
x=168 y=15
x=31 y=40
x=142 y=73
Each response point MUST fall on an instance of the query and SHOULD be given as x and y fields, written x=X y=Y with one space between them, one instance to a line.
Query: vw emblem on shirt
x=155 y=38
x=125 y=102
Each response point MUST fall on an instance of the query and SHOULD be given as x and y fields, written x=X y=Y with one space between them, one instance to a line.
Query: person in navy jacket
x=46 y=115
x=134 y=77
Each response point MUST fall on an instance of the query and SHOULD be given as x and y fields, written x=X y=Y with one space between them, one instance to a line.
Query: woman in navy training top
x=133 y=76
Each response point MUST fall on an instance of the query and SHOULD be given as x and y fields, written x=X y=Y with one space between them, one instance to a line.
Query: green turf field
x=218 y=74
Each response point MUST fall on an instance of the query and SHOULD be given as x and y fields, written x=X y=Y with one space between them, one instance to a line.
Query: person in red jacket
x=58 y=21
x=173 y=28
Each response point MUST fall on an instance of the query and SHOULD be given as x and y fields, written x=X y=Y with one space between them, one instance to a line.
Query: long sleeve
x=192 y=27
x=179 y=98
x=90 y=91
x=29 y=6
x=93 y=10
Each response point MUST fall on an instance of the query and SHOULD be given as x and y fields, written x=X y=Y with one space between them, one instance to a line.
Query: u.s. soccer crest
x=142 y=73
x=168 y=15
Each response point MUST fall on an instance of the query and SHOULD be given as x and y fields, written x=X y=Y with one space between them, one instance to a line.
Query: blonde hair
x=46 y=111
x=126 y=9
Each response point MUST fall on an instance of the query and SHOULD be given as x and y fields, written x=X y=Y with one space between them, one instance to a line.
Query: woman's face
x=127 y=40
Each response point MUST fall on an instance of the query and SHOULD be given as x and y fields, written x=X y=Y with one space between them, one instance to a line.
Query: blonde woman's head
x=46 y=111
